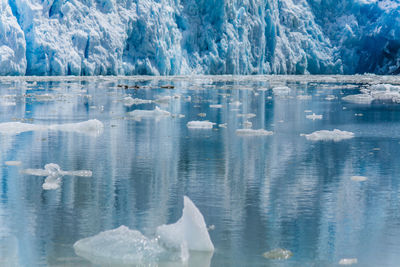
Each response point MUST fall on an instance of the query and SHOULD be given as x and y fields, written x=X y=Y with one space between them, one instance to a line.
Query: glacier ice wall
x=167 y=37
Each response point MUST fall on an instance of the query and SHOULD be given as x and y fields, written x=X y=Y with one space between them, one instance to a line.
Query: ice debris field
x=87 y=37
x=106 y=163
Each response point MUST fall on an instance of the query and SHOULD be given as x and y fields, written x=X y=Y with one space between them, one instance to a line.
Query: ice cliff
x=167 y=37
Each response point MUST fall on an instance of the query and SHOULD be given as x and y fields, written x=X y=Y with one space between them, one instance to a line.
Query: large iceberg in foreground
x=186 y=241
x=103 y=37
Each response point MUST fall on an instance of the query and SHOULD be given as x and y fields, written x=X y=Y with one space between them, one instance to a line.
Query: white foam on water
x=252 y=132
x=90 y=127
x=184 y=243
x=326 y=135
x=200 y=125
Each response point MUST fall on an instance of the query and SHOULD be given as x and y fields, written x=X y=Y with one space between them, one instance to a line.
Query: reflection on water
x=260 y=192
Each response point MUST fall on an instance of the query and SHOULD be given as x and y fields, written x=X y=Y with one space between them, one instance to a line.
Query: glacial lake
x=328 y=202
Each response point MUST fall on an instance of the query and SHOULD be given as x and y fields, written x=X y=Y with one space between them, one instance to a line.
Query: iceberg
x=129 y=101
x=314 y=117
x=359 y=99
x=325 y=135
x=184 y=243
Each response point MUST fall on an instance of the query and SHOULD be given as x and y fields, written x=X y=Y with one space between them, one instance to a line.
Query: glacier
x=183 y=37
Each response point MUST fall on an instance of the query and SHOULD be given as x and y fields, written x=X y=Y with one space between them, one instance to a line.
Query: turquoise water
x=260 y=192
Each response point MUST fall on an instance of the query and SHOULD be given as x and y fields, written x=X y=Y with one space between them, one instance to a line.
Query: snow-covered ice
x=326 y=135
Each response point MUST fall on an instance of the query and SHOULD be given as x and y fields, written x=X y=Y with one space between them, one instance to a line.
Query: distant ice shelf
x=103 y=37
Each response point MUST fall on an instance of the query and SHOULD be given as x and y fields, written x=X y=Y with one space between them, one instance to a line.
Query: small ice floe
x=216 y=106
x=314 y=117
x=13 y=163
x=247 y=124
x=138 y=114
x=223 y=125
x=235 y=103
x=307 y=111
x=359 y=99
x=252 y=132
x=325 y=135
x=184 y=243
x=348 y=261
x=278 y=254
x=281 y=91
x=202 y=114
x=200 y=124
x=330 y=97
x=304 y=97
x=90 y=127
x=129 y=101
x=358 y=178
x=54 y=174
x=358 y=114
x=246 y=115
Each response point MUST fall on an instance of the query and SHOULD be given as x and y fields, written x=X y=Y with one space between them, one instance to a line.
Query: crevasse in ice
x=166 y=37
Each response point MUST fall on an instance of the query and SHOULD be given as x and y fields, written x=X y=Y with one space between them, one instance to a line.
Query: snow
x=173 y=243
x=325 y=135
x=200 y=125
x=252 y=132
x=87 y=37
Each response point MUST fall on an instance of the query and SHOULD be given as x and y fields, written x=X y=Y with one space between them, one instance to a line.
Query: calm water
x=260 y=192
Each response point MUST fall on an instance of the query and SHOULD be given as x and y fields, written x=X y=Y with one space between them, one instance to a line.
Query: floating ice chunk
x=314 y=117
x=54 y=174
x=13 y=163
x=358 y=178
x=223 y=125
x=216 y=106
x=123 y=246
x=278 y=254
x=348 y=261
x=307 y=111
x=304 y=97
x=129 y=101
x=281 y=90
x=247 y=124
x=202 y=114
x=384 y=87
x=190 y=229
x=388 y=96
x=155 y=113
x=252 y=132
x=235 y=103
x=90 y=127
x=359 y=99
x=325 y=135
x=170 y=247
x=246 y=116
x=330 y=97
x=200 y=124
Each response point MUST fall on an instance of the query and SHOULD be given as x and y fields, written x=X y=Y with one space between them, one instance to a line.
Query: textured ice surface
x=252 y=132
x=200 y=125
x=190 y=230
x=325 y=135
x=53 y=175
x=87 y=37
x=170 y=246
x=90 y=127
x=155 y=113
